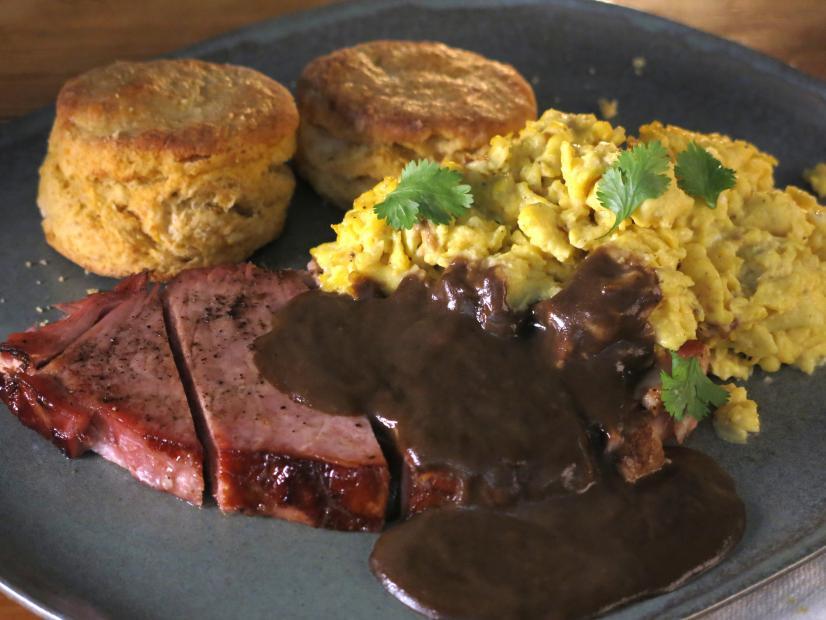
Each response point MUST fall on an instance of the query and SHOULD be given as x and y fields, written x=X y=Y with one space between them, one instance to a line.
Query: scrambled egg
x=748 y=278
x=738 y=417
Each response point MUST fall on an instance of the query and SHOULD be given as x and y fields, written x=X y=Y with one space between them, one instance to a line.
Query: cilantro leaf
x=636 y=176
x=399 y=211
x=701 y=175
x=688 y=391
x=428 y=191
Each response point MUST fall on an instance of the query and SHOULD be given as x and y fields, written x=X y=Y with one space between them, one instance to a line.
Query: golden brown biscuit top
x=190 y=108
x=409 y=91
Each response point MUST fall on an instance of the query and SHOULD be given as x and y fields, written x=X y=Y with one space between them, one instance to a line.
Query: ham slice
x=111 y=387
x=36 y=346
x=267 y=454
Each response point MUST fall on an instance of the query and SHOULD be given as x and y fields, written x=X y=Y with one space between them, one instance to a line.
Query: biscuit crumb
x=38 y=282
x=2 y=300
x=816 y=177
x=28 y=264
x=592 y=71
x=44 y=322
x=535 y=80
x=61 y=279
x=43 y=262
x=608 y=108
x=38 y=309
x=768 y=379
x=92 y=291
x=639 y=62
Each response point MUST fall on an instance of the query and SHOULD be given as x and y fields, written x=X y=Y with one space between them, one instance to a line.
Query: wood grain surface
x=42 y=42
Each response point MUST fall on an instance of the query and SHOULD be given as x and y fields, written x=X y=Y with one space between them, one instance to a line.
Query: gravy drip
x=566 y=557
x=520 y=409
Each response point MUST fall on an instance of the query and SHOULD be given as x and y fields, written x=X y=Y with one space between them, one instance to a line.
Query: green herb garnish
x=636 y=176
x=701 y=175
x=688 y=391
x=426 y=191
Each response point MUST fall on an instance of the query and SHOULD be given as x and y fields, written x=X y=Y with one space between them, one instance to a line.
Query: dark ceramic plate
x=82 y=539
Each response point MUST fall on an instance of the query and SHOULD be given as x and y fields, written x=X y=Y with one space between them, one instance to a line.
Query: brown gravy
x=567 y=557
x=515 y=411
x=419 y=369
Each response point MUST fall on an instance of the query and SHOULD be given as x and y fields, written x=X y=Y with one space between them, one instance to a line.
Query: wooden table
x=42 y=42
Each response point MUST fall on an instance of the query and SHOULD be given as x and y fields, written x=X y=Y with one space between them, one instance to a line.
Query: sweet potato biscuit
x=369 y=109
x=167 y=165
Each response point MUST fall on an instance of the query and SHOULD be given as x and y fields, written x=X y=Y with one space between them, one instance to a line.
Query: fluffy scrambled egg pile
x=748 y=278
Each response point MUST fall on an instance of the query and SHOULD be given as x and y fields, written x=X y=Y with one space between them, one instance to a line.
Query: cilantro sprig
x=636 y=176
x=688 y=391
x=426 y=191
x=701 y=175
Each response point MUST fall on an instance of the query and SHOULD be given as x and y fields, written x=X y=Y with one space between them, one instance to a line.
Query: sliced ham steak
x=104 y=379
x=114 y=389
x=268 y=454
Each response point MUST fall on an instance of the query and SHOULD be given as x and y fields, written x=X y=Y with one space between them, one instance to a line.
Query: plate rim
x=28 y=601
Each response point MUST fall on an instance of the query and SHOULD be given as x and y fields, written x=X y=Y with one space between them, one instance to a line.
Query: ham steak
x=105 y=379
x=108 y=385
x=267 y=454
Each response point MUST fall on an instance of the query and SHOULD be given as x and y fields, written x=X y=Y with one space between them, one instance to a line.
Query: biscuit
x=369 y=109
x=167 y=165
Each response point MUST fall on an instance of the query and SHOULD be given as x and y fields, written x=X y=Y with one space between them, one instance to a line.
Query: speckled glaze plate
x=82 y=539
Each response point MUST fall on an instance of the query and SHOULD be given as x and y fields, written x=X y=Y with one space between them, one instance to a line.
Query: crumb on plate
x=816 y=177
x=608 y=108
